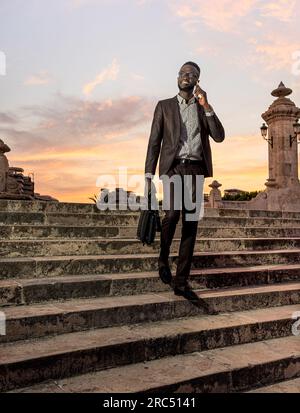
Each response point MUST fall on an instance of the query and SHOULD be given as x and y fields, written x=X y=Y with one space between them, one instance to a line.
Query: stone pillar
x=215 y=196
x=283 y=186
x=4 y=166
x=283 y=157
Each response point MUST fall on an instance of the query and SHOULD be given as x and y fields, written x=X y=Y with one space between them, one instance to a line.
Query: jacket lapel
x=176 y=118
x=203 y=129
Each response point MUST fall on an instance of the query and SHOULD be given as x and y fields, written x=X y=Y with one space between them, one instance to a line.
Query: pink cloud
x=220 y=15
x=228 y=15
x=41 y=78
x=109 y=73
x=281 y=9
x=76 y=123
x=274 y=52
x=7 y=118
x=71 y=141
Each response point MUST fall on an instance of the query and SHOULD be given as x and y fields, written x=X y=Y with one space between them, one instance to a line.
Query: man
x=180 y=135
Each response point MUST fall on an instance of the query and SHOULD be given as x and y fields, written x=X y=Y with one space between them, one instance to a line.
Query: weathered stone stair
x=86 y=312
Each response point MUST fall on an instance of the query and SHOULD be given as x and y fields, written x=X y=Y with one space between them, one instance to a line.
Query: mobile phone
x=194 y=91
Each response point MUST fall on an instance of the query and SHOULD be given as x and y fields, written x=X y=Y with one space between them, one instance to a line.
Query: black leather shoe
x=186 y=292
x=165 y=274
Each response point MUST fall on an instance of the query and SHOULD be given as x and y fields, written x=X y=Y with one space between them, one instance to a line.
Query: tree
x=245 y=196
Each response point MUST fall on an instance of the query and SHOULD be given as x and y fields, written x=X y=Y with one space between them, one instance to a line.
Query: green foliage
x=245 y=196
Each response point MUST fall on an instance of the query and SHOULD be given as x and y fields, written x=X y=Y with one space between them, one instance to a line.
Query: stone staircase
x=86 y=311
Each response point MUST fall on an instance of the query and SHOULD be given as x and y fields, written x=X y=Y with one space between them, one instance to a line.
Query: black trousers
x=172 y=215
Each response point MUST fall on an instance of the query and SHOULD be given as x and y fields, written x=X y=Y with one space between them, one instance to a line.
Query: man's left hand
x=203 y=97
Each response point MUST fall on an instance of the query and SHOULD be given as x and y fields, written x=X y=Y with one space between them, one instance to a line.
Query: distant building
x=117 y=196
x=13 y=183
x=233 y=192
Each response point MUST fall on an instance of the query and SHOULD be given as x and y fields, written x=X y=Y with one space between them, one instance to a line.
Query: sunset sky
x=83 y=78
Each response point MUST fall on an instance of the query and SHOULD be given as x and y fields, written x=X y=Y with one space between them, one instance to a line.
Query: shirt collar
x=182 y=100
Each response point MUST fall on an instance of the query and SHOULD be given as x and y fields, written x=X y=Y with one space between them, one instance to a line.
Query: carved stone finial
x=281 y=91
x=215 y=185
x=3 y=147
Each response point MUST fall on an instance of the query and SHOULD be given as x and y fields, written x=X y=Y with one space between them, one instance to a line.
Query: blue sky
x=83 y=78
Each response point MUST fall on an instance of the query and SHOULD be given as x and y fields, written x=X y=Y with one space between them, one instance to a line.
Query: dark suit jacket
x=166 y=130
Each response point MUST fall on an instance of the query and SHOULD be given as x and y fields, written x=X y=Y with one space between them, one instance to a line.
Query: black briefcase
x=149 y=224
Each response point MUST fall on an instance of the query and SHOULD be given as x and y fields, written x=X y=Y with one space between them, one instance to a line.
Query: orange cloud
x=239 y=161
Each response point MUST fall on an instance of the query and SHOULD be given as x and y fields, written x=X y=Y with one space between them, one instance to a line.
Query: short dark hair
x=192 y=64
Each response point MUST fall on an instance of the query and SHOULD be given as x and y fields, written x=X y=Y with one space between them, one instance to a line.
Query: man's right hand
x=150 y=190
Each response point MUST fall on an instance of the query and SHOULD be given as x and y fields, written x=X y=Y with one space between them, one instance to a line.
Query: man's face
x=187 y=78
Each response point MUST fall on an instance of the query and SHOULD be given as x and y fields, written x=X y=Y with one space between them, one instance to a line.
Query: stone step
x=286 y=386
x=227 y=212
x=26 y=363
x=44 y=206
x=96 y=246
x=42 y=267
x=39 y=290
x=16 y=232
x=90 y=219
x=24 y=206
x=72 y=207
x=40 y=320
x=222 y=370
x=131 y=219
x=30 y=291
x=61 y=231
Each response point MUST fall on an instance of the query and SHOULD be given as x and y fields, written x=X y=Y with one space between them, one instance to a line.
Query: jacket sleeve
x=216 y=129
x=155 y=139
